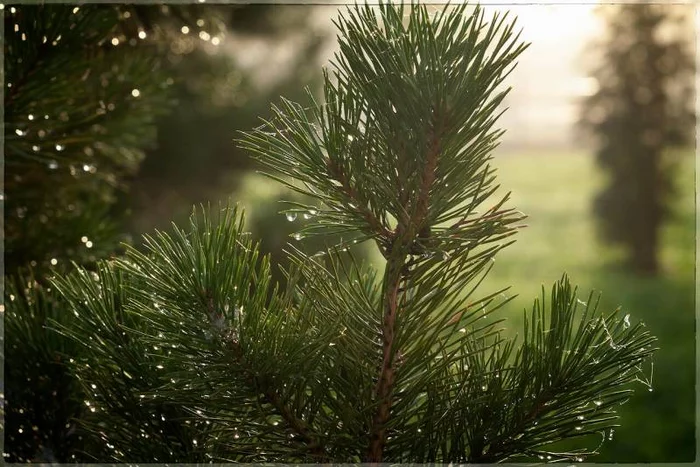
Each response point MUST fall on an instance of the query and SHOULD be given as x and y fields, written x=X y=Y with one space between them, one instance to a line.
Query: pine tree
x=83 y=88
x=193 y=354
x=643 y=107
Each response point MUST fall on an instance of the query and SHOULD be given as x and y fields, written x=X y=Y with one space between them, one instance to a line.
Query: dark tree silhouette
x=643 y=107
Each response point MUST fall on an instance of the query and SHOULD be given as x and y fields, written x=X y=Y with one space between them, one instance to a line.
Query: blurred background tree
x=80 y=103
x=643 y=108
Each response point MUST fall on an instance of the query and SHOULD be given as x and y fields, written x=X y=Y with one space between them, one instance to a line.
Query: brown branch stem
x=401 y=240
x=427 y=179
x=385 y=382
x=350 y=192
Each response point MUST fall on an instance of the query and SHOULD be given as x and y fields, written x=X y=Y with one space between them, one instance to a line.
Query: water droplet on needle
x=626 y=321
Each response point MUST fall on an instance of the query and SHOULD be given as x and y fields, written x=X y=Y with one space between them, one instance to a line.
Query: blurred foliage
x=85 y=88
x=643 y=106
x=42 y=396
x=196 y=159
x=80 y=104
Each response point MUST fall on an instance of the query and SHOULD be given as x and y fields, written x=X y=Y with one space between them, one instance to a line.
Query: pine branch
x=303 y=430
x=340 y=366
x=270 y=395
x=573 y=380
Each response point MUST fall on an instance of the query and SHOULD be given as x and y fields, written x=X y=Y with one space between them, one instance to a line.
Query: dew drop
x=626 y=321
x=53 y=165
x=135 y=92
x=598 y=403
x=35 y=148
x=142 y=34
x=60 y=147
x=291 y=216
